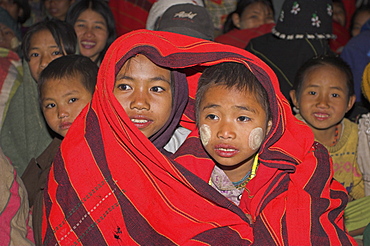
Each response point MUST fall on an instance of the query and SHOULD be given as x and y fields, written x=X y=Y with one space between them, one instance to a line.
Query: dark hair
x=231 y=74
x=319 y=61
x=62 y=32
x=25 y=6
x=100 y=7
x=240 y=7
x=70 y=66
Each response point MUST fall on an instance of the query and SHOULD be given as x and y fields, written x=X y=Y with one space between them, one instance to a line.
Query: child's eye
x=50 y=105
x=55 y=53
x=72 y=100
x=124 y=87
x=312 y=93
x=33 y=55
x=212 y=117
x=157 y=89
x=243 y=118
x=335 y=95
x=8 y=32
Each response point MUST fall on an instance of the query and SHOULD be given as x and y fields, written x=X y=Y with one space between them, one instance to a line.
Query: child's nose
x=322 y=102
x=62 y=113
x=45 y=60
x=226 y=131
x=140 y=101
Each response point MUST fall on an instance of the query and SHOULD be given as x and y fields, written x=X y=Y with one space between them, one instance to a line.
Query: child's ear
x=293 y=96
x=351 y=101
x=269 y=125
x=236 y=20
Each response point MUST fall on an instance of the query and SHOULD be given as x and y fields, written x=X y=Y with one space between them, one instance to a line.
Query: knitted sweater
x=344 y=156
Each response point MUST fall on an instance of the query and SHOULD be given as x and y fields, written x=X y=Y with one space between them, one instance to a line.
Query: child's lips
x=65 y=125
x=141 y=121
x=321 y=116
x=225 y=150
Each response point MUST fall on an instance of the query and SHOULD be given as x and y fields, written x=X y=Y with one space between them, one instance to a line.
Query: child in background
x=19 y=10
x=225 y=122
x=25 y=134
x=252 y=18
x=340 y=29
x=323 y=92
x=57 y=8
x=93 y=22
x=359 y=18
x=65 y=87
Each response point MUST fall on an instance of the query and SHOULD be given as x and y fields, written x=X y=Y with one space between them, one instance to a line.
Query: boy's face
x=323 y=100
x=43 y=49
x=144 y=91
x=62 y=101
x=233 y=125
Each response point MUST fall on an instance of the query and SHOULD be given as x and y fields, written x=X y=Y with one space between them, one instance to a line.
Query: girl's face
x=254 y=15
x=92 y=33
x=58 y=8
x=359 y=21
x=233 y=125
x=144 y=91
x=43 y=49
x=323 y=99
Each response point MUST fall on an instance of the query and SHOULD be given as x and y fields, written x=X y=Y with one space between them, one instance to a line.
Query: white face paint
x=255 y=138
x=205 y=134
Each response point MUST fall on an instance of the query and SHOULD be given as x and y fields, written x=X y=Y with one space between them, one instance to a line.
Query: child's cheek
x=255 y=138
x=205 y=134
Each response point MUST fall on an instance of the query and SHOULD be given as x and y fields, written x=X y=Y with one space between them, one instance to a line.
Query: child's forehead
x=74 y=79
x=219 y=89
x=325 y=75
x=140 y=65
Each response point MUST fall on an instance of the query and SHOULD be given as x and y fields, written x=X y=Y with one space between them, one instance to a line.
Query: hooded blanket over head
x=110 y=185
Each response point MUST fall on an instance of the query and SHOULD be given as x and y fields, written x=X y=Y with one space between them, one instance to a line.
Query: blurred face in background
x=359 y=21
x=254 y=15
x=339 y=15
x=7 y=38
x=58 y=8
x=12 y=8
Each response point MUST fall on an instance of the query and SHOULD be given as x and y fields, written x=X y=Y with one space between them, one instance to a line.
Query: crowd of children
x=164 y=136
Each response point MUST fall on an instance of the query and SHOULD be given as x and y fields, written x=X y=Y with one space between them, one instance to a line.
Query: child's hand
x=249 y=218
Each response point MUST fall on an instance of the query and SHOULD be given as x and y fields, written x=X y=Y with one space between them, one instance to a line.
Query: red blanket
x=109 y=185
